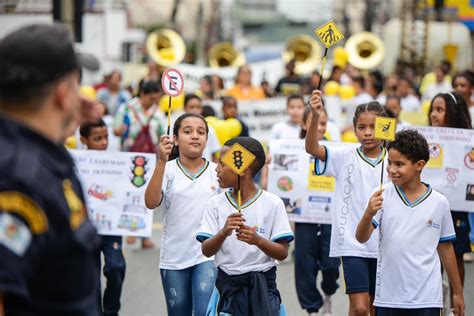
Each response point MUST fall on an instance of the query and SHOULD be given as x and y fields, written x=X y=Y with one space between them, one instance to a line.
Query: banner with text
x=114 y=185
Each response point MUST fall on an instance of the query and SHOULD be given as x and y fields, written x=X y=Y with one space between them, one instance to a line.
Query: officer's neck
x=46 y=124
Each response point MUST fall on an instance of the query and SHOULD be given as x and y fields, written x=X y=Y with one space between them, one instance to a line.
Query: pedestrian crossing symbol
x=385 y=128
x=238 y=159
x=329 y=34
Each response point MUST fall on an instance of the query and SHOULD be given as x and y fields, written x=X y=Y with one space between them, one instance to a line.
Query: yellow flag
x=238 y=159
x=329 y=34
x=385 y=128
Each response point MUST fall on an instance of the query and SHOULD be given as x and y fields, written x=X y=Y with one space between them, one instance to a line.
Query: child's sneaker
x=326 y=310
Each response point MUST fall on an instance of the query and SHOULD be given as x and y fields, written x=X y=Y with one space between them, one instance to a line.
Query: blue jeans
x=471 y=221
x=311 y=255
x=114 y=272
x=188 y=291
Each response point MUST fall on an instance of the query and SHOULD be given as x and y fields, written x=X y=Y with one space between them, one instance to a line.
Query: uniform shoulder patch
x=24 y=206
x=14 y=234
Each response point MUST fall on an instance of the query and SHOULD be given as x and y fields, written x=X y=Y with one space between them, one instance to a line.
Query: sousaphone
x=224 y=54
x=166 y=47
x=305 y=51
x=366 y=50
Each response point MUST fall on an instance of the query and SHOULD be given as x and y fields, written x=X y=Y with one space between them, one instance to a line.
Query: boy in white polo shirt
x=415 y=232
x=248 y=244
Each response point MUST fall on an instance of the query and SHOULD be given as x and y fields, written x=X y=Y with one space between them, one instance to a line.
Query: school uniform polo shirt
x=356 y=176
x=265 y=212
x=408 y=268
x=184 y=199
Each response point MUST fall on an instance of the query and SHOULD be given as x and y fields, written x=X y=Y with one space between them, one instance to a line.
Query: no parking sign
x=172 y=82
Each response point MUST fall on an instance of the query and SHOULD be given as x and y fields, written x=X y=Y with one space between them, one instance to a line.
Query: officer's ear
x=66 y=92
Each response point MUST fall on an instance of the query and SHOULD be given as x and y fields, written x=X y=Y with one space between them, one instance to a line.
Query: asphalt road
x=143 y=294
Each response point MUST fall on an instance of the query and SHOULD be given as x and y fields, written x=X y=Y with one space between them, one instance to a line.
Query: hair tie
x=452 y=96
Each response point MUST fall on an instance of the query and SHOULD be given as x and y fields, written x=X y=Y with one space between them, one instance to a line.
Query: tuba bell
x=224 y=54
x=305 y=51
x=166 y=47
x=366 y=50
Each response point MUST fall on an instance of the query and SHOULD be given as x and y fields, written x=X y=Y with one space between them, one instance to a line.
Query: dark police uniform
x=48 y=247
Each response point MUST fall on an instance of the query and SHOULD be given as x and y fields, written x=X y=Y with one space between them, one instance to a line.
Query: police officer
x=48 y=246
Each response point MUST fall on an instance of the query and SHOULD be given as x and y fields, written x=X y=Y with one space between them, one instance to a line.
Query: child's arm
x=446 y=254
x=312 y=144
x=153 y=194
x=212 y=245
x=275 y=249
x=365 y=227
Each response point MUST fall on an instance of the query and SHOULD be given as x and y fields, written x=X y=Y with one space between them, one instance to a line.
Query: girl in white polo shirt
x=357 y=172
x=184 y=185
x=415 y=233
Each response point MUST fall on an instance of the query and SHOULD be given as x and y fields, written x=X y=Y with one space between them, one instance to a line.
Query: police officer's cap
x=38 y=54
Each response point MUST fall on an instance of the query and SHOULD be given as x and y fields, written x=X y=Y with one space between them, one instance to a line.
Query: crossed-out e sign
x=172 y=82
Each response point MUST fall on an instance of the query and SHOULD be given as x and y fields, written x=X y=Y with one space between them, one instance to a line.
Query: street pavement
x=143 y=293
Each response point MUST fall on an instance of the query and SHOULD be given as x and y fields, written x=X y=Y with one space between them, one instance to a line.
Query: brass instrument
x=224 y=54
x=166 y=47
x=366 y=50
x=305 y=51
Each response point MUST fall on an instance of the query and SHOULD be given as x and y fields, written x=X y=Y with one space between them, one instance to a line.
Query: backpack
x=143 y=142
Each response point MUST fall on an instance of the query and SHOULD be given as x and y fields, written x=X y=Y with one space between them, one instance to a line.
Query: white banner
x=259 y=115
x=450 y=169
x=308 y=198
x=114 y=185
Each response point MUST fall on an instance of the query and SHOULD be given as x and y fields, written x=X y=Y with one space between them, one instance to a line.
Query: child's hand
x=458 y=304
x=249 y=235
x=375 y=203
x=316 y=103
x=165 y=147
x=234 y=222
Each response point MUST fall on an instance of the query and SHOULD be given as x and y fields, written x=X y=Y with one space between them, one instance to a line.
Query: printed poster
x=114 y=185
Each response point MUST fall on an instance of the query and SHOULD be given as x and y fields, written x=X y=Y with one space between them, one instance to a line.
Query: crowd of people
x=223 y=235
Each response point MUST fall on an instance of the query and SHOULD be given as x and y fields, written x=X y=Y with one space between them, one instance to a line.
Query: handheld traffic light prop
x=385 y=128
x=238 y=159
x=329 y=35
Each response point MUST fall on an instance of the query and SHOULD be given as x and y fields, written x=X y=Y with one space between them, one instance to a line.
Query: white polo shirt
x=184 y=199
x=408 y=267
x=356 y=176
x=265 y=211
x=285 y=130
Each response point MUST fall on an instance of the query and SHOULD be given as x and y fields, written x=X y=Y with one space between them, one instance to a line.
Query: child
x=450 y=110
x=312 y=250
x=246 y=245
x=95 y=137
x=357 y=172
x=290 y=129
x=184 y=185
x=229 y=110
x=415 y=228
x=193 y=104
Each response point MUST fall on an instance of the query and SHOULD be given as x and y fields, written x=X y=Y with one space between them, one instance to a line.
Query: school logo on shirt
x=259 y=230
x=432 y=224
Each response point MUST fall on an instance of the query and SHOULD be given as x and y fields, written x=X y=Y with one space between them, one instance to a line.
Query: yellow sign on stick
x=329 y=34
x=238 y=159
x=385 y=128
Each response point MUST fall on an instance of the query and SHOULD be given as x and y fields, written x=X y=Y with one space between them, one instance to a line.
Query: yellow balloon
x=349 y=137
x=331 y=88
x=340 y=57
x=177 y=103
x=234 y=127
x=220 y=127
x=347 y=92
x=88 y=91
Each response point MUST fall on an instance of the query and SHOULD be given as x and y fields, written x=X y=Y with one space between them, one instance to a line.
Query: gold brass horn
x=166 y=47
x=366 y=50
x=224 y=54
x=305 y=51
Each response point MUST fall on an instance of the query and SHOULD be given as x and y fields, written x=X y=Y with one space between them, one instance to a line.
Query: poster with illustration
x=450 y=169
x=308 y=198
x=114 y=186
